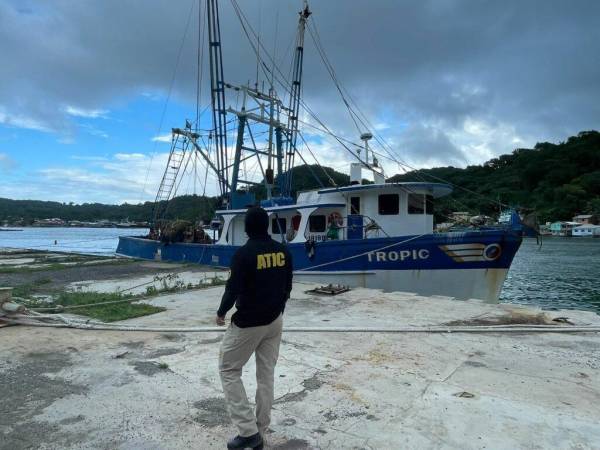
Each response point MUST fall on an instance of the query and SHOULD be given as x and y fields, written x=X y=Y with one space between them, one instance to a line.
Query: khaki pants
x=237 y=347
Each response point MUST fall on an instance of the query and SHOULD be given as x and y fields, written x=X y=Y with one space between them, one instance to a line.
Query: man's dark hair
x=256 y=222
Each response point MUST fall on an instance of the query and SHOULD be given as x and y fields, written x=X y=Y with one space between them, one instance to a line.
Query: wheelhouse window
x=317 y=224
x=389 y=204
x=354 y=205
x=278 y=226
x=420 y=204
x=429 y=204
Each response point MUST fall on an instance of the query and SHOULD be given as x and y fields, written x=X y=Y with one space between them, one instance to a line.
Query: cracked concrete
x=87 y=390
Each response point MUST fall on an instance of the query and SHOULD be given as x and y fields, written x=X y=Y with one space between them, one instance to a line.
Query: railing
x=343 y=230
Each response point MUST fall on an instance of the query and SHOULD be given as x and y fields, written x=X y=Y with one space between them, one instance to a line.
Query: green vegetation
x=187 y=207
x=26 y=290
x=44 y=267
x=557 y=180
x=106 y=313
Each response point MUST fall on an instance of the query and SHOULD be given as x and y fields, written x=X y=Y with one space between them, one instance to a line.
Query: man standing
x=259 y=285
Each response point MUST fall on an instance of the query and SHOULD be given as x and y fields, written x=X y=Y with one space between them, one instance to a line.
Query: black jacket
x=260 y=283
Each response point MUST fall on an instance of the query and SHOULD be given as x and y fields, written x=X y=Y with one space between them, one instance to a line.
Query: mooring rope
x=63 y=322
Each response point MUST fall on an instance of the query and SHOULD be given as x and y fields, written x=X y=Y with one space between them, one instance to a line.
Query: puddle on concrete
x=212 y=412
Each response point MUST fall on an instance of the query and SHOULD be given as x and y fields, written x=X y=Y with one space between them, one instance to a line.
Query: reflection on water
x=562 y=273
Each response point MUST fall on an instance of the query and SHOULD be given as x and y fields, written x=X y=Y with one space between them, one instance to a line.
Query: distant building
x=460 y=216
x=54 y=222
x=586 y=219
x=545 y=229
x=586 y=230
x=562 y=228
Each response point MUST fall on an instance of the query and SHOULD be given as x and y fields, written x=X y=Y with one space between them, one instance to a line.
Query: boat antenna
x=366 y=137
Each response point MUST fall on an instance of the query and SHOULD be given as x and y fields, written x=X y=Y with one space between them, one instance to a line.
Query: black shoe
x=254 y=442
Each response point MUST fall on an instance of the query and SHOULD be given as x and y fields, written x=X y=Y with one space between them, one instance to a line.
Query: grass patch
x=172 y=283
x=106 y=313
x=27 y=289
x=60 y=266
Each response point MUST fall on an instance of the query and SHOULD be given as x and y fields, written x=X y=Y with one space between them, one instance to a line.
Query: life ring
x=335 y=218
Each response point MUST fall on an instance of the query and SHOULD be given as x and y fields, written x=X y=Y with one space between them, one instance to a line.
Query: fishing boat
x=373 y=233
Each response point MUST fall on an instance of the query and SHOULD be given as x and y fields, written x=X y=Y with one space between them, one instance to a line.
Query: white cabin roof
x=436 y=189
x=292 y=207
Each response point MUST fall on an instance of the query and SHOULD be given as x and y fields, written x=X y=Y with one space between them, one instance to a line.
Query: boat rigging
x=374 y=235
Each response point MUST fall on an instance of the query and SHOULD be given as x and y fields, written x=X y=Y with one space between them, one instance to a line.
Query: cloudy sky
x=88 y=89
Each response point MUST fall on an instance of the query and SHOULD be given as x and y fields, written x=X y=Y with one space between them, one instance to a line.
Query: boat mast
x=294 y=105
x=257 y=108
x=217 y=91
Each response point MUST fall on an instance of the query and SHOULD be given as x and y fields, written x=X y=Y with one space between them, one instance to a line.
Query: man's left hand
x=220 y=321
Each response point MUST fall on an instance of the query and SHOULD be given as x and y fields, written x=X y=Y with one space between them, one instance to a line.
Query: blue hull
x=428 y=264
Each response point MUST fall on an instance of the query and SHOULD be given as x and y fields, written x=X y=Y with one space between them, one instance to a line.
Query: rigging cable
x=200 y=64
x=365 y=121
x=331 y=181
x=170 y=90
x=247 y=27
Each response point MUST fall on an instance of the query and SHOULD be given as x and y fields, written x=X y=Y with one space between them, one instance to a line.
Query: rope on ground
x=21 y=319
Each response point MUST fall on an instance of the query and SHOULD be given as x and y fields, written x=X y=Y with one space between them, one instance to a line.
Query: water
x=564 y=273
x=97 y=241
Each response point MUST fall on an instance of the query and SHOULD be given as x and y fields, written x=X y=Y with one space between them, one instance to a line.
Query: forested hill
x=556 y=180
x=188 y=207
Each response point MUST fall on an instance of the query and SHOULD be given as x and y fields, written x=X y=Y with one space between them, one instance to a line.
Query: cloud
x=21 y=121
x=86 y=113
x=131 y=177
x=162 y=138
x=469 y=80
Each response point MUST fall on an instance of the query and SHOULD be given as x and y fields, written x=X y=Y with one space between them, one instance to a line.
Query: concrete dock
x=75 y=389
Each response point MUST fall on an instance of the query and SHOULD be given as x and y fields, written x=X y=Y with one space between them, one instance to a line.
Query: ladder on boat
x=180 y=147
